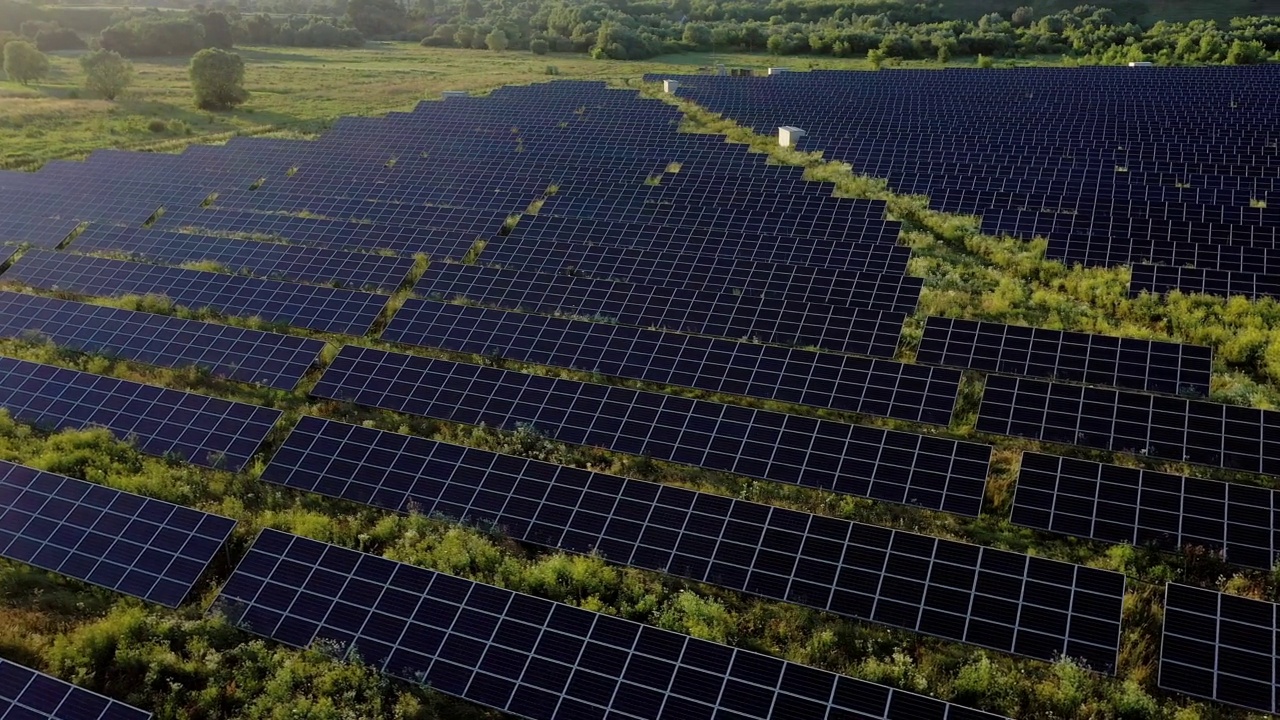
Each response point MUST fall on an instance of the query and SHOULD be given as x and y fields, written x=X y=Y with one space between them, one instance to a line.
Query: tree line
x=637 y=29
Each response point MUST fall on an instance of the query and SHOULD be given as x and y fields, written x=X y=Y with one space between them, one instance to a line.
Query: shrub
x=985 y=61
x=107 y=73
x=552 y=70
x=23 y=62
x=217 y=79
x=496 y=40
x=157 y=126
x=58 y=38
x=876 y=57
x=539 y=47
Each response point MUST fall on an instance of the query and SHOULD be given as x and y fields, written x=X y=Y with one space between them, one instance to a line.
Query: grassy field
x=295 y=90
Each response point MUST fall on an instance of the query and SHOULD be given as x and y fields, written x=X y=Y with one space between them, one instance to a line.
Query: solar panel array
x=201 y=429
x=779 y=322
x=1221 y=647
x=573 y=226
x=1144 y=507
x=527 y=656
x=1069 y=356
x=888 y=465
x=1003 y=600
x=307 y=306
x=27 y=694
x=254 y=356
x=829 y=380
x=1114 y=166
x=1170 y=428
x=124 y=542
x=336 y=268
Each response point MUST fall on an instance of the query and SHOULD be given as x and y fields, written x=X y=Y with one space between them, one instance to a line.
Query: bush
x=876 y=57
x=58 y=38
x=23 y=62
x=496 y=40
x=153 y=36
x=539 y=47
x=217 y=79
x=107 y=73
x=985 y=61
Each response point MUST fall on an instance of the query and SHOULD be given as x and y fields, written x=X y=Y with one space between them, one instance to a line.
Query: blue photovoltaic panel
x=35 y=230
x=530 y=657
x=252 y=356
x=918 y=393
x=132 y=544
x=309 y=306
x=1015 y=603
x=927 y=471
x=26 y=694
x=201 y=429
x=295 y=263
x=5 y=254
x=1221 y=647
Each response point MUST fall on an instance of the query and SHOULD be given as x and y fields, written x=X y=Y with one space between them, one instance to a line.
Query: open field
x=296 y=90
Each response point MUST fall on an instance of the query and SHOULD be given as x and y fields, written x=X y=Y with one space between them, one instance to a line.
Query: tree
x=107 y=73
x=496 y=40
x=217 y=29
x=1023 y=16
x=23 y=62
x=876 y=57
x=376 y=17
x=58 y=38
x=539 y=47
x=217 y=78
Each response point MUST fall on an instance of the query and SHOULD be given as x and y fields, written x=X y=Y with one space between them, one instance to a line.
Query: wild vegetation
x=629 y=30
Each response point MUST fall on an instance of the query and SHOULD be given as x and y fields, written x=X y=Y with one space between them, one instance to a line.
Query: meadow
x=296 y=92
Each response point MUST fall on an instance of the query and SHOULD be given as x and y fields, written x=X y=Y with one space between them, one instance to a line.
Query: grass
x=297 y=92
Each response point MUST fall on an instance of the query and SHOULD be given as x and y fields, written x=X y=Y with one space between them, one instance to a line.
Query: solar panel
x=253 y=356
x=526 y=656
x=894 y=466
x=1172 y=428
x=202 y=429
x=1220 y=647
x=1160 y=279
x=840 y=382
x=5 y=254
x=38 y=231
x=335 y=268
x=873 y=290
x=992 y=598
x=1139 y=507
x=134 y=545
x=1148 y=365
x=26 y=694
x=308 y=306
x=830 y=327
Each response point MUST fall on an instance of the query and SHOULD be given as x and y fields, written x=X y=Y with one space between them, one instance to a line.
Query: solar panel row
x=829 y=327
x=26 y=694
x=839 y=382
x=308 y=306
x=857 y=460
x=254 y=356
x=134 y=545
x=997 y=599
x=201 y=429
x=527 y=656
